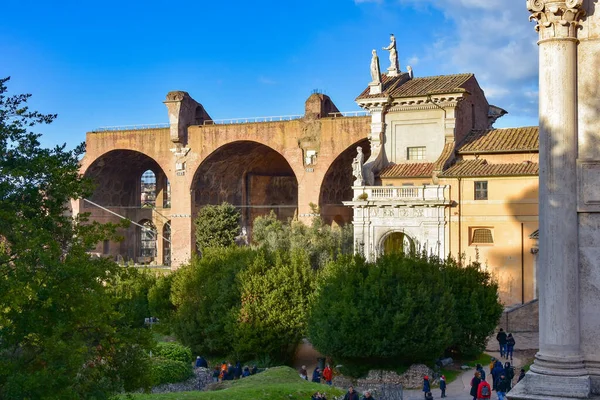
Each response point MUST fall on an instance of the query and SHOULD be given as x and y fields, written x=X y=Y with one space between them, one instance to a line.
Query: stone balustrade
x=426 y=193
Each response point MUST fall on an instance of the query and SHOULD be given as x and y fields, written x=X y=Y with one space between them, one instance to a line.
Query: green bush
x=320 y=241
x=217 y=226
x=396 y=309
x=173 y=351
x=169 y=371
x=275 y=294
x=206 y=295
x=477 y=310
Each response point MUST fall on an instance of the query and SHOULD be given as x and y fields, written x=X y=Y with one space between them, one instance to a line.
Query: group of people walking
x=502 y=379
x=228 y=372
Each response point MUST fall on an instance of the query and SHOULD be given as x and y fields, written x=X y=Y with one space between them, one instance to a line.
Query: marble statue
x=357 y=167
x=410 y=71
x=375 y=70
x=393 y=54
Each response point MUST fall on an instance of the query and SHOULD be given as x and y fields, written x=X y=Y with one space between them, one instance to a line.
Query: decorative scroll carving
x=556 y=20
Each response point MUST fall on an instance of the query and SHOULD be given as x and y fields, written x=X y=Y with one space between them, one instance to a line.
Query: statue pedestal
x=393 y=71
x=375 y=88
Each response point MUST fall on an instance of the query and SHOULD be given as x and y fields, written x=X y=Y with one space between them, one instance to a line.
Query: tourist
x=229 y=373
x=521 y=375
x=501 y=338
x=201 y=362
x=428 y=396
x=318 y=396
x=254 y=370
x=216 y=373
x=503 y=387
x=509 y=373
x=510 y=346
x=351 y=395
x=492 y=363
x=426 y=385
x=496 y=371
x=479 y=368
x=246 y=372
x=303 y=373
x=367 y=395
x=328 y=374
x=443 y=385
x=475 y=384
x=237 y=370
x=484 y=391
x=316 y=376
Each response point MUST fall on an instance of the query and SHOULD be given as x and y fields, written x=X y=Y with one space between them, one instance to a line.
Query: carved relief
x=556 y=19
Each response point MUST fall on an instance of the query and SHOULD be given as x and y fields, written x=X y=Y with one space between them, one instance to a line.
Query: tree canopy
x=64 y=331
x=217 y=226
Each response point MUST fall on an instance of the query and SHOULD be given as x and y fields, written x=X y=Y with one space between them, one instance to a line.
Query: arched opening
x=337 y=185
x=148 y=189
x=131 y=185
x=166 y=244
x=398 y=243
x=147 y=242
x=249 y=175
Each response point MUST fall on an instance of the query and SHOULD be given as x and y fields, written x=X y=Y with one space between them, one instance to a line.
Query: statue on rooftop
x=394 y=68
x=375 y=70
x=357 y=167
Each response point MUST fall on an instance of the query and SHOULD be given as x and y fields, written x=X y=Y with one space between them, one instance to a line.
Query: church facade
x=441 y=179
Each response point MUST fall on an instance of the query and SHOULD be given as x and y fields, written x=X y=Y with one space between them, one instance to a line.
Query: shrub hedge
x=173 y=351
x=169 y=371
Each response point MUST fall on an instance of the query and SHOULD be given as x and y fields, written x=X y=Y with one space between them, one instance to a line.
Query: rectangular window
x=481 y=236
x=415 y=153
x=481 y=190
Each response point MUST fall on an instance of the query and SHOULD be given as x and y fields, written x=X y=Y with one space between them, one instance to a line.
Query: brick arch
x=336 y=185
x=116 y=175
x=250 y=175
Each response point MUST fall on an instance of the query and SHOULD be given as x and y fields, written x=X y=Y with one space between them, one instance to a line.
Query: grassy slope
x=275 y=383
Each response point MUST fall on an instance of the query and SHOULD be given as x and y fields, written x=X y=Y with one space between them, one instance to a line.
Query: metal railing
x=230 y=121
x=349 y=114
x=131 y=127
x=251 y=120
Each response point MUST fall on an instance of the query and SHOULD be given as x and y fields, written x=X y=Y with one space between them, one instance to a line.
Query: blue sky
x=112 y=62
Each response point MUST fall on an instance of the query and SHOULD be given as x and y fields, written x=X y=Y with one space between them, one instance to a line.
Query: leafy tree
x=275 y=295
x=397 y=309
x=477 y=307
x=217 y=226
x=64 y=333
x=322 y=242
x=206 y=295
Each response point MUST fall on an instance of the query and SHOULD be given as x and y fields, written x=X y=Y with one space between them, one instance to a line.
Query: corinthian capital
x=556 y=19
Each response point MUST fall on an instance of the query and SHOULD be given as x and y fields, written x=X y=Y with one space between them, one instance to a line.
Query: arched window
x=148 y=241
x=148 y=189
x=167 y=244
x=398 y=242
x=482 y=236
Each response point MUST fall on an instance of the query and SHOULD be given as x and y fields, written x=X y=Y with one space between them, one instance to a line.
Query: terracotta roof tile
x=407 y=170
x=501 y=141
x=400 y=86
x=470 y=168
x=445 y=158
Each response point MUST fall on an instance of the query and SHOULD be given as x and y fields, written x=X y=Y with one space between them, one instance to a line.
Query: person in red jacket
x=484 y=391
x=328 y=374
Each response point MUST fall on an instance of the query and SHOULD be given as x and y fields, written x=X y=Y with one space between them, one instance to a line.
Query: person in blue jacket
x=426 y=385
x=443 y=385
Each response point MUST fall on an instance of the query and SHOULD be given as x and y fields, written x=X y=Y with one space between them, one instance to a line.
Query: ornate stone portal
x=561 y=369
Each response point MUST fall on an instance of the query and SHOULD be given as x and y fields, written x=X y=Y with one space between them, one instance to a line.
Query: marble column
x=558 y=370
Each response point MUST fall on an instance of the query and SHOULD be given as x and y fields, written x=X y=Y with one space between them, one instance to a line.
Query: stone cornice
x=556 y=19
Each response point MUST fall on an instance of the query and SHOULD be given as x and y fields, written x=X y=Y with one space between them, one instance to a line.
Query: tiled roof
x=400 y=87
x=408 y=170
x=445 y=158
x=470 y=168
x=501 y=140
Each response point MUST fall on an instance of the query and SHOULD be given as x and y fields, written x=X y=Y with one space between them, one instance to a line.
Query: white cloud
x=414 y=60
x=266 y=81
x=493 y=39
